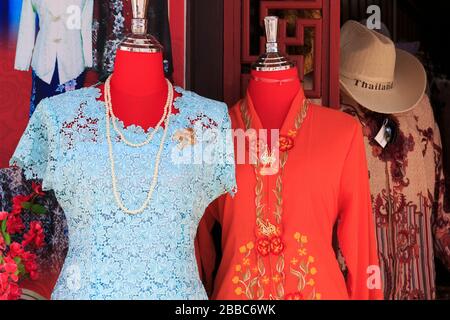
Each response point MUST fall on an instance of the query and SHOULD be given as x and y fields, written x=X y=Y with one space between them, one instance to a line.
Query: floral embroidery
x=406 y=211
x=246 y=277
x=250 y=276
x=395 y=153
x=268 y=235
x=286 y=143
x=302 y=267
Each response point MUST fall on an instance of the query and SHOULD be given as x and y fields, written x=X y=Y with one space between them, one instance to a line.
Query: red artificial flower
x=10 y=267
x=29 y=262
x=37 y=189
x=286 y=143
x=263 y=246
x=14 y=291
x=17 y=203
x=14 y=224
x=15 y=250
x=35 y=236
x=9 y=289
x=294 y=296
x=5 y=286
x=3 y=215
x=2 y=243
x=276 y=246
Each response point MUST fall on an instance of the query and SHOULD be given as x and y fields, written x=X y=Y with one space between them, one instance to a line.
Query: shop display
x=278 y=230
x=328 y=180
x=102 y=170
x=62 y=48
x=404 y=154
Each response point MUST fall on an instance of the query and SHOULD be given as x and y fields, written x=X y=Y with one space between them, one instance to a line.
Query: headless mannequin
x=139 y=88
x=272 y=101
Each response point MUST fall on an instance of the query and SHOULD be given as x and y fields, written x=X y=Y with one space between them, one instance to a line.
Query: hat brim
x=410 y=81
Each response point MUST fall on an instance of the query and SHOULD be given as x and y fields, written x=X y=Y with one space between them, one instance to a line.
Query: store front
x=211 y=48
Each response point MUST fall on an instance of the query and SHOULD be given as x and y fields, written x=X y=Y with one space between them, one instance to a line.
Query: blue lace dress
x=113 y=255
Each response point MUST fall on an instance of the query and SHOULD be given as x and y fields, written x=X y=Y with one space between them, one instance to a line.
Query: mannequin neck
x=139 y=88
x=272 y=94
x=138 y=74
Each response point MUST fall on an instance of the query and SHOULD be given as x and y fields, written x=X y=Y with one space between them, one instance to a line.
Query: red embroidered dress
x=407 y=185
x=277 y=232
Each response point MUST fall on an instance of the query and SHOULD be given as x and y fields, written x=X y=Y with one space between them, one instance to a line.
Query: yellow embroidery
x=246 y=273
x=269 y=239
x=250 y=276
x=304 y=270
x=266 y=228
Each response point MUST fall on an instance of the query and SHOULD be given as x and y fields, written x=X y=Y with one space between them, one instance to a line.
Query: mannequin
x=272 y=100
x=138 y=84
x=273 y=246
x=139 y=88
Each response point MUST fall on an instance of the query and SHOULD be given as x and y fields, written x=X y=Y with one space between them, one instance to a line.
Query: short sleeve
x=36 y=152
x=223 y=178
x=356 y=228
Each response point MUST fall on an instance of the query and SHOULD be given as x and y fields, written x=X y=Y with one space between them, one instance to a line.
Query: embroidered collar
x=291 y=125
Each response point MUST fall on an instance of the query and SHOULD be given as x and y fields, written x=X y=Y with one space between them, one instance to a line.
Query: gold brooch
x=185 y=137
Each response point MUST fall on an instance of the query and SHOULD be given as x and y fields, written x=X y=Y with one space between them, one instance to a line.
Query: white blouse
x=65 y=35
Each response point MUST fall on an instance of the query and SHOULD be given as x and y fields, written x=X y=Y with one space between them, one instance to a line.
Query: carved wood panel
x=305 y=36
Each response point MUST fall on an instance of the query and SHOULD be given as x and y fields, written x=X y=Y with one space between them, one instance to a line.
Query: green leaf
x=26 y=205
x=38 y=209
x=7 y=238
x=4 y=226
x=21 y=269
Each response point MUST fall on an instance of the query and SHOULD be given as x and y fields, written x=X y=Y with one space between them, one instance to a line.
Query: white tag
x=382 y=137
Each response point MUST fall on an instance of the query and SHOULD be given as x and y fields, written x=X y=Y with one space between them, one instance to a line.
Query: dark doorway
x=205 y=48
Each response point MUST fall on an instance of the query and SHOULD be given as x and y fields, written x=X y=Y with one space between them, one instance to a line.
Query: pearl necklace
x=114 y=118
x=117 y=196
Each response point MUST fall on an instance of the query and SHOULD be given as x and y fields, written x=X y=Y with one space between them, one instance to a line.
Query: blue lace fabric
x=113 y=255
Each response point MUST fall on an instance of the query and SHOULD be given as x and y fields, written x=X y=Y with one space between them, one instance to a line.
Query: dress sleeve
x=26 y=39
x=356 y=229
x=36 y=152
x=223 y=164
x=86 y=30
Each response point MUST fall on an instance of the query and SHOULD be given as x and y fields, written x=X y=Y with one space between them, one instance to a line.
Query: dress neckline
x=178 y=104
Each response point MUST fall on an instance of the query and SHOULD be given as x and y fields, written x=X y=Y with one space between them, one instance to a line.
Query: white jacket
x=65 y=35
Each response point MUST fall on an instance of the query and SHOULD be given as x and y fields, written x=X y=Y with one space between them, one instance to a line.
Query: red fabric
x=15 y=91
x=325 y=179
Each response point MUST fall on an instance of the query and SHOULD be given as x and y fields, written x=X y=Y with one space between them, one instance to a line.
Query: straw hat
x=375 y=74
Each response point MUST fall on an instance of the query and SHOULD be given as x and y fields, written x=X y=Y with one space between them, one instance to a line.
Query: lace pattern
x=112 y=255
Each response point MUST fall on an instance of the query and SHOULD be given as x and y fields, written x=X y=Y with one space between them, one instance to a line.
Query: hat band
x=374 y=86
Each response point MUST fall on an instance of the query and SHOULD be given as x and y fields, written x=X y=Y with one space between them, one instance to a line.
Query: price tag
x=384 y=136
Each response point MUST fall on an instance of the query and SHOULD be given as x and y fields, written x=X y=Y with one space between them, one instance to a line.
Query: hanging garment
x=51 y=257
x=114 y=255
x=65 y=35
x=440 y=100
x=41 y=90
x=407 y=187
x=112 y=22
x=277 y=232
